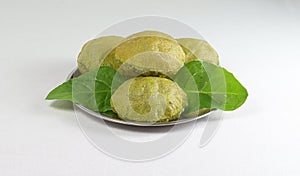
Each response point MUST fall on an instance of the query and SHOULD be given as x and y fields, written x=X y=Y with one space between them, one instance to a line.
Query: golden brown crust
x=196 y=49
x=149 y=99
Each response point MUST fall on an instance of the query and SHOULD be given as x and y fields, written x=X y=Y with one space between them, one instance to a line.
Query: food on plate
x=145 y=53
x=150 y=77
x=149 y=99
x=196 y=49
x=94 y=51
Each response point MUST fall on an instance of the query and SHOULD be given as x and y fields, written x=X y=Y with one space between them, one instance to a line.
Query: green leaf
x=210 y=86
x=62 y=92
x=92 y=89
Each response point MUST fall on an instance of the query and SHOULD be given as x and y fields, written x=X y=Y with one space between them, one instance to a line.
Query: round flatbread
x=198 y=50
x=149 y=99
x=94 y=51
x=143 y=49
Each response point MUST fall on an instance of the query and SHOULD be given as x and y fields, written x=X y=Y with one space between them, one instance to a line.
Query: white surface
x=257 y=40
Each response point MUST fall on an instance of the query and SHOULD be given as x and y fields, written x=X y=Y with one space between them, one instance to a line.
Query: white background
x=257 y=40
